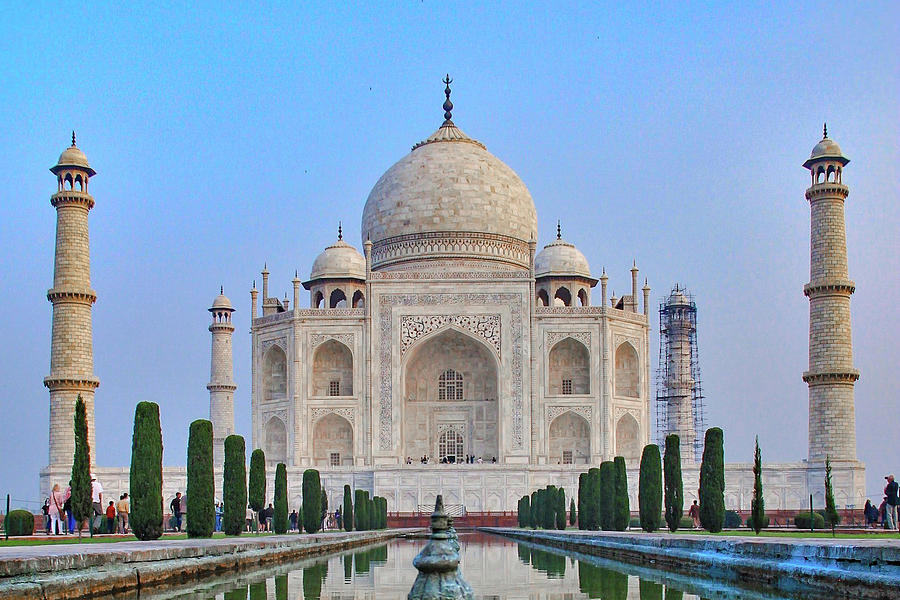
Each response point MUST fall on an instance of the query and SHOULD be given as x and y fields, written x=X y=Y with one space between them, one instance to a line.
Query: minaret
x=678 y=327
x=221 y=376
x=831 y=376
x=72 y=346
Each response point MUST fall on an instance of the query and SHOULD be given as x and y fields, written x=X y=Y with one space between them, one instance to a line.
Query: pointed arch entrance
x=451 y=384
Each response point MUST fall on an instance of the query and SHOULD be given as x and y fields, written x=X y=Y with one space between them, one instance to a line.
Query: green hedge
x=582 y=488
x=19 y=522
x=234 y=486
x=801 y=520
x=560 y=508
x=347 y=513
x=201 y=487
x=673 y=487
x=145 y=485
x=650 y=488
x=622 y=512
x=280 y=518
x=360 y=505
x=256 y=491
x=607 y=496
x=732 y=519
x=712 y=481
x=312 y=501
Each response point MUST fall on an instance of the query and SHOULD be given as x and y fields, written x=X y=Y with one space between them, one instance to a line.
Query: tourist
x=249 y=516
x=694 y=514
x=338 y=518
x=45 y=510
x=293 y=518
x=67 y=507
x=111 y=517
x=269 y=514
x=871 y=514
x=55 y=510
x=122 y=509
x=892 y=494
x=219 y=512
x=97 y=502
x=175 y=505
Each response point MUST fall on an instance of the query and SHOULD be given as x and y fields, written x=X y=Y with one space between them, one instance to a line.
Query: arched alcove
x=627 y=372
x=569 y=368
x=570 y=440
x=450 y=381
x=333 y=441
x=583 y=297
x=276 y=441
x=332 y=370
x=359 y=301
x=318 y=300
x=562 y=297
x=543 y=298
x=628 y=438
x=337 y=299
x=274 y=374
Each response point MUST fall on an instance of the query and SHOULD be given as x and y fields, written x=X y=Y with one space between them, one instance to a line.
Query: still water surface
x=495 y=567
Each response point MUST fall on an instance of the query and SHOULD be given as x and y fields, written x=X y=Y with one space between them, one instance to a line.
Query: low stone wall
x=72 y=571
x=843 y=568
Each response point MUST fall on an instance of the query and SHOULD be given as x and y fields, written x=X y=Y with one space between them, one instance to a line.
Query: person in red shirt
x=694 y=514
x=110 y=517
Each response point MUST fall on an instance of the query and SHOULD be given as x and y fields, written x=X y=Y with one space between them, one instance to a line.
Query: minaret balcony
x=829 y=287
x=826 y=377
x=73 y=295
x=72 y=198
x=827 y=189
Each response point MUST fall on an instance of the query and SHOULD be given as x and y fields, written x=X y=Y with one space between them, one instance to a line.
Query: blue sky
x=224 y=137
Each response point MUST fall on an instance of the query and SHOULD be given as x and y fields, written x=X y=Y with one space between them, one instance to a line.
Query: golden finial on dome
x=73 y=138
x=824 y=131
x=448 y=106
x=340 y=232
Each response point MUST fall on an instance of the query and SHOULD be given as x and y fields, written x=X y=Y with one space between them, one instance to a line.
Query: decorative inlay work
x=619 y=339
x=554 y=336
x=448 y=244
x=347 y=413
x=586 y=411
x=569 y=310
x=634 y=412
x=413 y=327
x=417 y=274
x=317 y=338
x=332 y=312
x=273 y=318
x=385 y=324
x=281 y=414
x=266 y=344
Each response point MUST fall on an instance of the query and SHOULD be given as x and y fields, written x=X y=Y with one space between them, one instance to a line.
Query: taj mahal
x=450 y=354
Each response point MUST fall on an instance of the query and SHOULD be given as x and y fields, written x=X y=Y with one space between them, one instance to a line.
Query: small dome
x=339 y=260
x=561 y=258
x=827 y=148
x=73 y=157
x=221 y=302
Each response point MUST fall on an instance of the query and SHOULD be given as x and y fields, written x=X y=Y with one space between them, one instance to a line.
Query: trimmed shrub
x=535 y=510
x=323 y=498
x=145 y=485
x=560 y=503
x=622 y=512
x=312 y=501
x=573 y=515
x=520 y=512
x=685 y=523
x=650 y=488
x=383 y=512
x=591 y=509
x=607 y=495
x=757 y=503
x=280 y=518
x=80 y=481
x=802 y=521
x=582 y=487
x=832 y=518
x=548 y=507
x=712 y=481
x=234 y=486
x=201 y=487
x=347 y=513
x=732 y=519
x=359 y=502
x=19 y=522
x=256 y=493
x=674 y=488
x=634 y=522
x=765 y=521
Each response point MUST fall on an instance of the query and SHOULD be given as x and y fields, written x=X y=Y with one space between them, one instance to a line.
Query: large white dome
x=449 y=198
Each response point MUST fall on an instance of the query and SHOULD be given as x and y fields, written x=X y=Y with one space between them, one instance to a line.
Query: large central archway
x=451 y=382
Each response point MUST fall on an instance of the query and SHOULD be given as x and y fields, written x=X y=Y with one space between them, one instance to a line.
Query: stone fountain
x=438 y=563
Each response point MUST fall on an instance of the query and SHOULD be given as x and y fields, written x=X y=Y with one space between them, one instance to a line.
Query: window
x=567 y=387
x=450 y=385
x=334 y=459
x=567 y=457
x=334 y=387
x=450 y=445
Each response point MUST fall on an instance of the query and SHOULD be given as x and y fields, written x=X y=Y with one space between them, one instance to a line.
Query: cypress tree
x=201 y=487
x=832 y=518
x=257 y=490
x=347 y=515
x=712 y=481
x=591 y=509
x=622 y=505
x=757 y=504
x=80 y=481
x=146 y=473
x=535 y=510
x=582 y=483
x=370 y=516
x=573 y=515
x=280 y=518
x=323 y=497
x=359 y=502
x=548 y=507
x=234 y=486
x=526 y=508
x=650 y=488
x=607 y=495
x=560 y=508
x=312 y=501
x=674 y=489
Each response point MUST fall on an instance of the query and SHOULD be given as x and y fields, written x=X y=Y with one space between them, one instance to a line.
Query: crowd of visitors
x=469 y=459
x=60 y=520
x=886 y=513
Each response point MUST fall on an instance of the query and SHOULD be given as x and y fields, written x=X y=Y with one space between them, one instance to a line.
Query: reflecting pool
x=496 y=568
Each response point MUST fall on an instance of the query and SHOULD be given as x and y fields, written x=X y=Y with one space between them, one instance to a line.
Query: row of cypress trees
x=544 y=508
x=364 y=513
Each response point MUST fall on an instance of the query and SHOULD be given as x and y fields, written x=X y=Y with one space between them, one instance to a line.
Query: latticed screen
x=450 y=444
x=334 y=388
x=567 y=457
x=567 y=387
x=450 y=385
x=335 y=459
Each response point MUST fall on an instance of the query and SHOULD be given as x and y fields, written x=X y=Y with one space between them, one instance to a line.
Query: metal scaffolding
x=679 y=396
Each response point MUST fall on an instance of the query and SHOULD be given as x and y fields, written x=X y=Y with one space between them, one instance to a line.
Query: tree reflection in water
x=281 y=587
x=554 y=565
x=598 y=582
x=239 y=593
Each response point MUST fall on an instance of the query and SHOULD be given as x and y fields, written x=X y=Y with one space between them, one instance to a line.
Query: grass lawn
x=87 y=539
x=796 y=533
